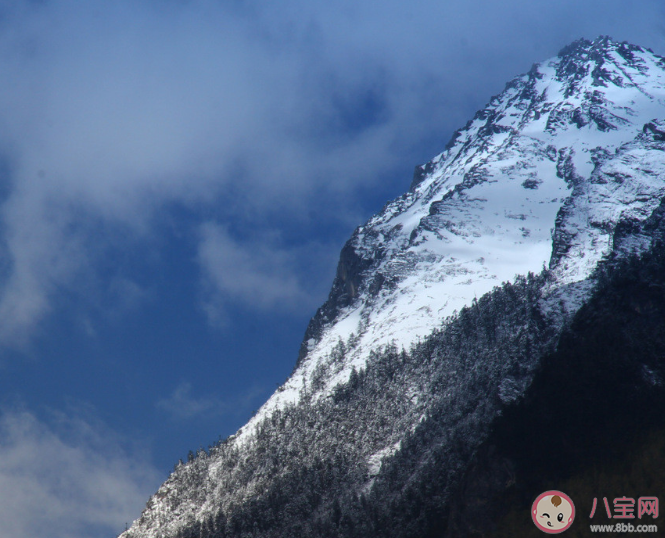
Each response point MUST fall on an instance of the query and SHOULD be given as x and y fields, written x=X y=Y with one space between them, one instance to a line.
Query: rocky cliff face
x=406 y=366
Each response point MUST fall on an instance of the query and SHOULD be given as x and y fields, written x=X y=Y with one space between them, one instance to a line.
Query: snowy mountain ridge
x=561 y=170
x=533 y=180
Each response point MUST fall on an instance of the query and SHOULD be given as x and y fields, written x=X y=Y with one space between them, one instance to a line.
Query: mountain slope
x=564 y=171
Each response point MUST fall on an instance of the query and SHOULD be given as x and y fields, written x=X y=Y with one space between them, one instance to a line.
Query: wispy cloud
x=67 y=478
x=183 y=405
x=262 y=275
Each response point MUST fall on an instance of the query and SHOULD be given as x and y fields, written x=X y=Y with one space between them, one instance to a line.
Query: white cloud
x=68 y=478
x=262 y=276
x=182 y=405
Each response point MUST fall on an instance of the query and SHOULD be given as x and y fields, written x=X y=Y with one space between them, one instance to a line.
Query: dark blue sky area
x=126 y=364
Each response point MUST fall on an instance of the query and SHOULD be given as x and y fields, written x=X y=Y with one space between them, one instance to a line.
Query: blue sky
x=176 y=181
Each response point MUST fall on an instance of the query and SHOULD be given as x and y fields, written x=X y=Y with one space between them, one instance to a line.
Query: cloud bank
x=266 y=115
x=68 y=478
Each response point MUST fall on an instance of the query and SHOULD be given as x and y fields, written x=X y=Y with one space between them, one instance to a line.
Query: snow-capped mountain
x=557 y=175
x=536 y=179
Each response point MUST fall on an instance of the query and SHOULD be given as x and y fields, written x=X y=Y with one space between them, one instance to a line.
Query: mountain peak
x=504 y=198
x=583 y=46
x=584 y=49
x=601 y=62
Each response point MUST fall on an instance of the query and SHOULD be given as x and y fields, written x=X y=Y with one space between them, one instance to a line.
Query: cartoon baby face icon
x=553 y=512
